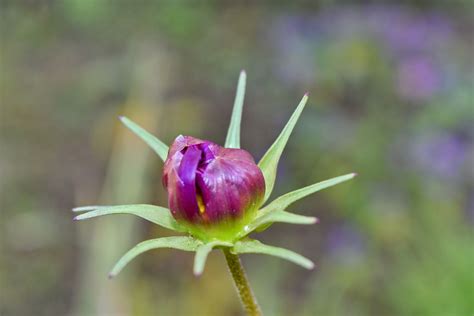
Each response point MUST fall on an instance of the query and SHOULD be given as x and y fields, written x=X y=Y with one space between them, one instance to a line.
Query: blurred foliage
x=390 y=97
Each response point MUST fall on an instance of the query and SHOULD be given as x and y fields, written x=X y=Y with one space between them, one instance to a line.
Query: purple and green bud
x=212 y=186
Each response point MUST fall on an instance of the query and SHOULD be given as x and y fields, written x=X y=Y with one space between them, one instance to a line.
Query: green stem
x=242 y=284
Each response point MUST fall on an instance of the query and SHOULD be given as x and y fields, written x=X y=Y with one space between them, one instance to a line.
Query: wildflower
x=210 y=185
x=216 y=195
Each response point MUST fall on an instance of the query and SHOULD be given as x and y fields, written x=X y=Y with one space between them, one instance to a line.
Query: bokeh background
x=391 y=97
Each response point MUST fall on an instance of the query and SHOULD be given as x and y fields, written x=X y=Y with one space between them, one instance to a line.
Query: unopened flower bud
x=208 y=184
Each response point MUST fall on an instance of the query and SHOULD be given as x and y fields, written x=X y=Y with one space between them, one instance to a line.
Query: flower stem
x=242 y=284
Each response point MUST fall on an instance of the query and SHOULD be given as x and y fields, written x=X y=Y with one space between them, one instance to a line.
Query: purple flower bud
x=210 y=184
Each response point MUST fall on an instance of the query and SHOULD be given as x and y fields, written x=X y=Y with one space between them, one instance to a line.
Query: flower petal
x=208 y=183
x=182 y=190
x=230 y=184
x=181 y=142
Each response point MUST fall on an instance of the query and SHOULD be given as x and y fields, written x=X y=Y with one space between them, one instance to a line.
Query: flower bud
x=208 y=184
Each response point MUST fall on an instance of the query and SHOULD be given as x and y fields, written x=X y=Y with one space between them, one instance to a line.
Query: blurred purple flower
x=418 y=79
x=345 y=241
x=408 y=33
x=299 y=39
x=441 y=155
x=290 y=37
x=207 y=183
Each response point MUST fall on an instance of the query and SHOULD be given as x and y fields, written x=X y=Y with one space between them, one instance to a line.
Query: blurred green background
x=391 y=90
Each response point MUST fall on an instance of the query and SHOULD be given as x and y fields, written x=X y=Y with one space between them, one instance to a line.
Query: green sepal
x=88 y=208
x=202 y=252
x=282 y=202
x=269 y=162
x=263 y=227
x=233 y=133
x=157 y=145
x=265 y=220
x=184 y=243
x=155 y=214
x=254 y=246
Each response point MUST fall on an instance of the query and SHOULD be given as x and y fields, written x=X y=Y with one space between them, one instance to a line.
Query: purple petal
x=230 y=184
x=207 y=183
x=180 y=143
x=186 y=189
